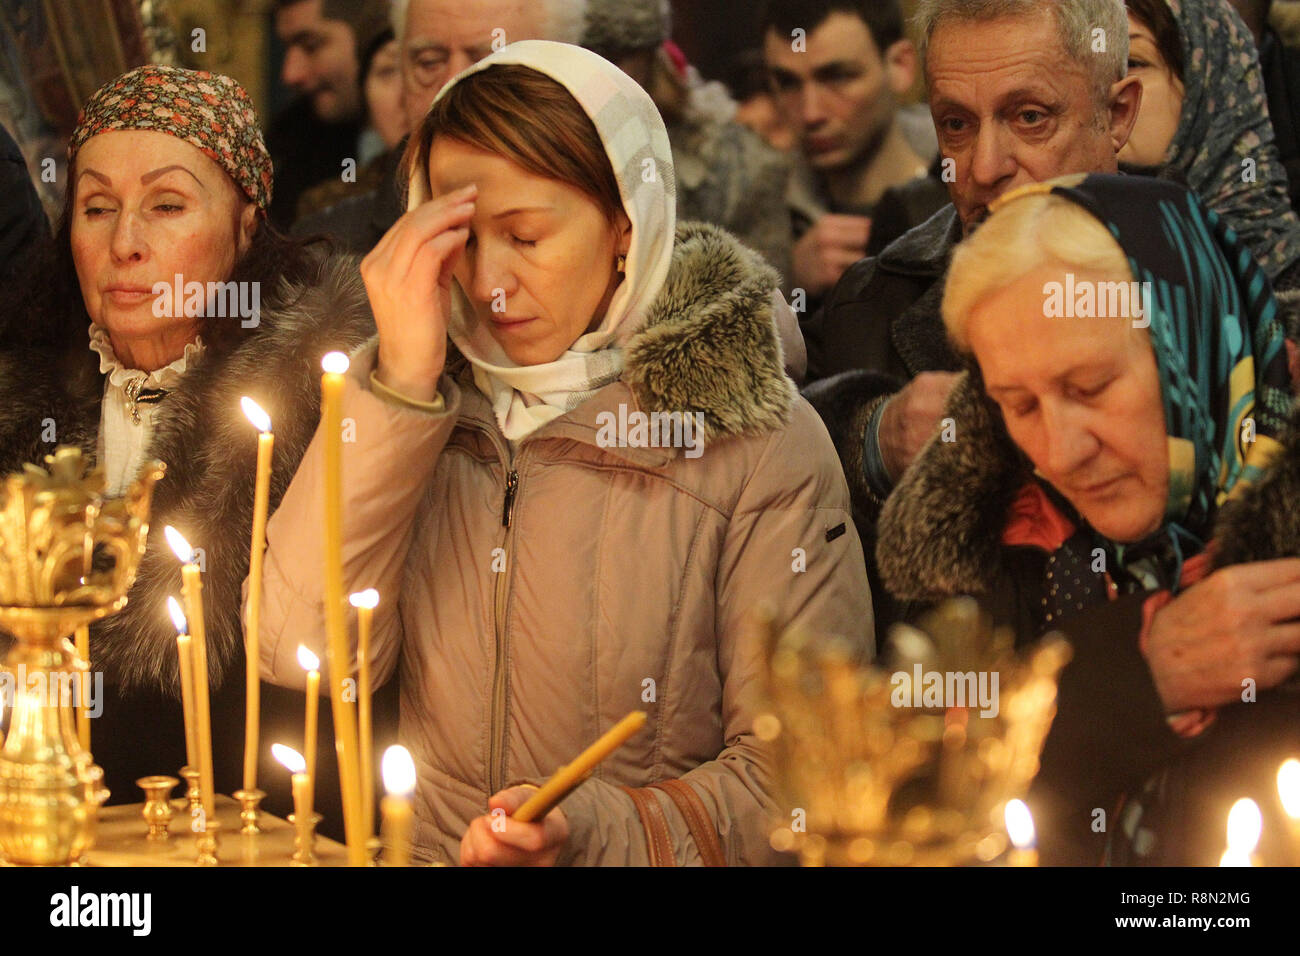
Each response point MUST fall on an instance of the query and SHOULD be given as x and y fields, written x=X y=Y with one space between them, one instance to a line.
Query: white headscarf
x=525 y=397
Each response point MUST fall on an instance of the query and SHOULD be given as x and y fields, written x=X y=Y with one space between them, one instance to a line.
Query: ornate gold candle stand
x=67 y=558
x=248 y=803
x=207 y=842
x=304 y=839
x=157 y=810
x=193 y=795
x=870 y=778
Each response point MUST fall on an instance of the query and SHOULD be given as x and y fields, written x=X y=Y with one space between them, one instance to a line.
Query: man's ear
x=900 y=67
x=248 y=224
x=1122 y=114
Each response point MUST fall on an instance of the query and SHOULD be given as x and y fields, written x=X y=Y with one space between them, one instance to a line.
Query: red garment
x=1033 y=520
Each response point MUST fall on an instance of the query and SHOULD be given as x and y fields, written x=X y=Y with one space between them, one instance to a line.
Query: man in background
x=839 y=69
x=312 y=137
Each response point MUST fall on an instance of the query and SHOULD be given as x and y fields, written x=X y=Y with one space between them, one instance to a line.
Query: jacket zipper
x=496 y=770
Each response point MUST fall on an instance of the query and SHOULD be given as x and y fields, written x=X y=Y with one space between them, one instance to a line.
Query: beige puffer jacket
x=532 y=603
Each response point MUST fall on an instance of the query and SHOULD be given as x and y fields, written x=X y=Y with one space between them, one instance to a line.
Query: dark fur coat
x=210 y=451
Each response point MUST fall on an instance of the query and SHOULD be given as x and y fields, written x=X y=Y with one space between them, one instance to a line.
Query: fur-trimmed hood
x=718 y=340
x=940 y=531
x=210 y=451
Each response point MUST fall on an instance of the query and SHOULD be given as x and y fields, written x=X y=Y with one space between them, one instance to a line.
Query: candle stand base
x=248 y=803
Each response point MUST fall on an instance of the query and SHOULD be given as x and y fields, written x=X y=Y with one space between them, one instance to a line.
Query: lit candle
x=1288 y=790
x=1245 y=823
x=252 y=648
x=311 y=664
x=83 y=718
x=186 y=654
x=399 y=781
x=192 y=589
x=302 y=789
x=335 y=365
x=1020 y=827
x=365 y=603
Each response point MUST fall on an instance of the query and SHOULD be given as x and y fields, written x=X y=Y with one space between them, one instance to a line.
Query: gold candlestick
x=50 y=521
x=83 y=718
x=304 y=838
x=207 y=841
x=193 y=795
x=157 y=810
x=248 y=804
x=261 y=496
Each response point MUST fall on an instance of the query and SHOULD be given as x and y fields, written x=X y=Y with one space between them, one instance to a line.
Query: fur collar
x=710 y=342
x=940 y=531
x=211 y=454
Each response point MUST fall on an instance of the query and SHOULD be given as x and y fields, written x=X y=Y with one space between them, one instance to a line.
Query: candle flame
x=178 y=616
x=1233 y=858
x=291 y=759
x=336 y=363
x=179 y=544
x=253 y=411
x=1288 y=787
x=307 y=660
x=367 y=598
x=399 y=771
x=1244 y=825
x=1020 y=824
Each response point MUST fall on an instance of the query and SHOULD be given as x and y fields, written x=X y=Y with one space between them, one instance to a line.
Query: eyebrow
x=146 y=179
x=518 y=209
x=302 y=37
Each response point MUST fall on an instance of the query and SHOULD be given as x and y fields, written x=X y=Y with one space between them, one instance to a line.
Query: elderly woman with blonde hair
x=1121 y=465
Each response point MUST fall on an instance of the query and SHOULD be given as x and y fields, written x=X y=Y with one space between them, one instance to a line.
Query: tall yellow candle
x=399 y=781
x=252 y=646
x=311 y=664
x=192 y=589
x=83 y=718
x=186 y=653
x=570 y=775
x=335 y=365
x=365 y=602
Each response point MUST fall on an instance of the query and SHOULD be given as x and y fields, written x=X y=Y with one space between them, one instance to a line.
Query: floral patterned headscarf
x=207 y=110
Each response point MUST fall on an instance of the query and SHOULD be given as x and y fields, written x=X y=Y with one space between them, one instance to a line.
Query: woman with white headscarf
x=571 y=508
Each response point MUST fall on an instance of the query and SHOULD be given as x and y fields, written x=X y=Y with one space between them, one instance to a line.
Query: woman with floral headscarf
x=165 y=297
x=1125 y=470
x=550 y=554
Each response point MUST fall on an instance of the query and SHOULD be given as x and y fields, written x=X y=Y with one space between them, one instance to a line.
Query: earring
x=621 y=263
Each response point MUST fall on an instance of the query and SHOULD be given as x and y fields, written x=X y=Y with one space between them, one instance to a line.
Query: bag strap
x=656 y=826
x=697 y=818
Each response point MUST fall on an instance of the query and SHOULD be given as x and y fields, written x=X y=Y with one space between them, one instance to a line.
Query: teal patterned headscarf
x=1224 y=144
x=1219 y=347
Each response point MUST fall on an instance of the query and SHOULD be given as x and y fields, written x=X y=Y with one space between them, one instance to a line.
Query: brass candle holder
x=157 y=810
x=193 y=795
x=67 y=558
x=248 y=803
x=304 y=839
x=207 y=841
x=873 y=772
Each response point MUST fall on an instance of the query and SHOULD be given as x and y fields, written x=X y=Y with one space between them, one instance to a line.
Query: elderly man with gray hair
x=1020 y=91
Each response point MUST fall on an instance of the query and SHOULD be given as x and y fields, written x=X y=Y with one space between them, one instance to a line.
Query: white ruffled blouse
x=125 y=425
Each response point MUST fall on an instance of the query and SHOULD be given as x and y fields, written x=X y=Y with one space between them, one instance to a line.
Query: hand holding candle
x=568 y=777
x=261 y=496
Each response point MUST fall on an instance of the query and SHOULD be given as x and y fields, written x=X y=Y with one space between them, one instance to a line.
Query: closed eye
x=524 y=242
